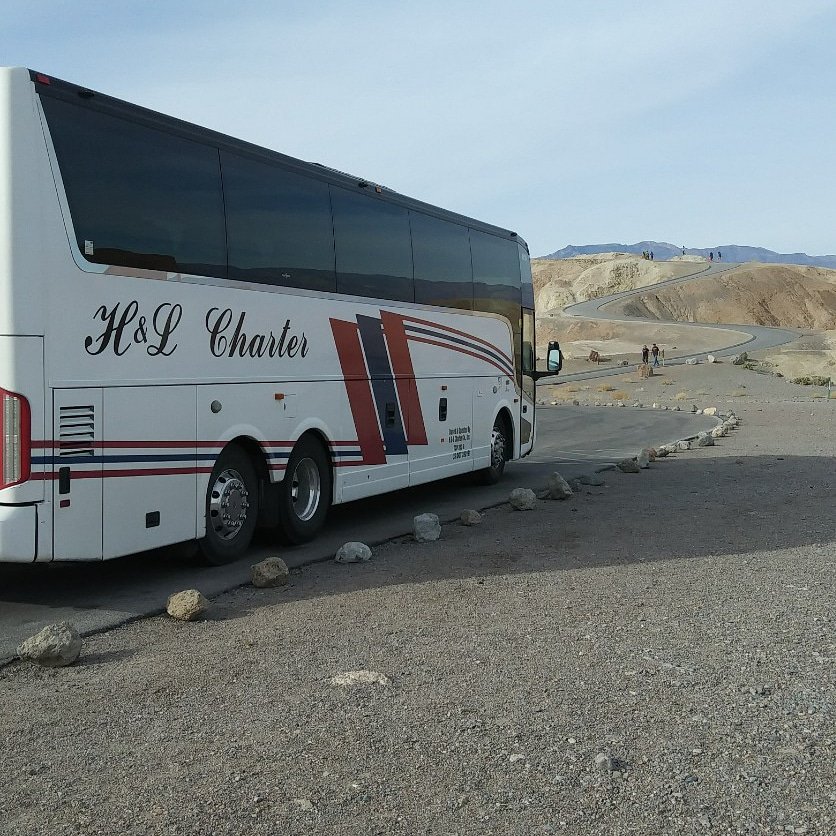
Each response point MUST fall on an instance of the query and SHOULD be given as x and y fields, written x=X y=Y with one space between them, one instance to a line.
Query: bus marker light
x=42 y=79
x=64 y=503
x=279 y=396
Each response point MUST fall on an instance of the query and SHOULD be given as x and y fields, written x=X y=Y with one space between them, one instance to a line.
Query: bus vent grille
x=76 y=430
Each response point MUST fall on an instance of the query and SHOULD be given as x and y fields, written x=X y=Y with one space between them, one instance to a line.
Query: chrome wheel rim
x=305 y=489
x=228 y=504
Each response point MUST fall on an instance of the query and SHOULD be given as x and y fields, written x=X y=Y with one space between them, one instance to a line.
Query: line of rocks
x=58 y=645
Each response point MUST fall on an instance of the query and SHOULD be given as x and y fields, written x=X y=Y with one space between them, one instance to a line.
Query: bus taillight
x=15 y=439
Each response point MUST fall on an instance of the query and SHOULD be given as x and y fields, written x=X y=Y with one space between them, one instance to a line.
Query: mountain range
x=730 y=252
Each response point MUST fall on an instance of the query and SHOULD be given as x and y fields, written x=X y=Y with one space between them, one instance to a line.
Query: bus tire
x=499 y=454
x=231 y=507
x=304 y=493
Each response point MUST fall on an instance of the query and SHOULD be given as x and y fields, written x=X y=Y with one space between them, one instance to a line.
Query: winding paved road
x=755 y=337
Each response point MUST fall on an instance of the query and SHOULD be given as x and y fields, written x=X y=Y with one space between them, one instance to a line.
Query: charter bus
x=199 y=336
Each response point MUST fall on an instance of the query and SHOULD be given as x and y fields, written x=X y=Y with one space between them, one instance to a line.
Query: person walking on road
x=711 y=256
x=655 y=352
x=645 y=355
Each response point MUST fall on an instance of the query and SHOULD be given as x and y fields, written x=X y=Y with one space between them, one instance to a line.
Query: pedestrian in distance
x=655 y=352
x=645 y=354
x=719 y=255
x=651 y=255
x=711 y=256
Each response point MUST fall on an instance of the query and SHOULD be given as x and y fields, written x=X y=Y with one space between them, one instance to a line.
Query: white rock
x=655 y=406
x=426 y=528
x=351 y=678
x=719 y=432
x=272 y=571
x=558 y=487
x=186 y=605
x=691 y=361
x=710 y=410
x=56 y=646
x=682 y=445
x=643 y=459
x=523 y=499
x=740 y=359
x=353 y=552
x=470 y=517
x=711 y=358
x=705 y=441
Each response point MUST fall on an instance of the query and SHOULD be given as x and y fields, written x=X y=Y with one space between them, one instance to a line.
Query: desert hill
x=731 y=252
x=792 y=296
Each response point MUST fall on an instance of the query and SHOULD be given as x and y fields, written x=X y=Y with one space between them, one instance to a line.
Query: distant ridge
x=731 y=252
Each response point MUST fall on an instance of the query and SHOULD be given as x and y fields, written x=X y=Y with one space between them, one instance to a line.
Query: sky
x=701 y=124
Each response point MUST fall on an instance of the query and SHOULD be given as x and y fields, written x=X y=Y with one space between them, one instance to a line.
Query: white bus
x=199 y=336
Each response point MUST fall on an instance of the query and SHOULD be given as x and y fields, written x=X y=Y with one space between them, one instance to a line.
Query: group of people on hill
x=655 y=352
x=711 y=256
x=648 y=254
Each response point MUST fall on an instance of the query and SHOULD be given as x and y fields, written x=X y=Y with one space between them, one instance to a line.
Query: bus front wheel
x=231 y=507
x=499 y=455
x=304 y=493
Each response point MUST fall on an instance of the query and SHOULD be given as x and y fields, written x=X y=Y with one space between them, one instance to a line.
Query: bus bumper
x=18 y=524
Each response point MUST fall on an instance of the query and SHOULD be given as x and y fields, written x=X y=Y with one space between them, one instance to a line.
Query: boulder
x=683 y=445
x=719 y=432
x=353 y=552
x=56 y=646
x=740 y=359
x=710 y=410
x=558 y=487
x=470 y=517
x=628 y=466
x=643 y=459
x=187 y=605
x=426 y=528
x=523 y=499
x=272 y=571
x=705 y=440
x=711 y=359
x=691 y=361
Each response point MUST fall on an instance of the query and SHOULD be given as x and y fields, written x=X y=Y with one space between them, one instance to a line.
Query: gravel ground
x=655 y=656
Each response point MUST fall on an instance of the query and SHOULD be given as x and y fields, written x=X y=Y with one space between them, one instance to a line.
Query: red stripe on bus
x=456 y=331
x=359 y=390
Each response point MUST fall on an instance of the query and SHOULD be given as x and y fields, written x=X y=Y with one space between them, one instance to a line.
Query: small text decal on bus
x=126 y=328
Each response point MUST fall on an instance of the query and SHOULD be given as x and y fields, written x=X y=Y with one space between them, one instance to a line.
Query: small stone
x=694 y=409
x=719 y=432
x=426 y=528
x=740 y=359
x=558 y=487
x=576 y=403
x=304 y=804
x=272 y=571
x=187 y=605
x=683 y=445
x=628 y=466
x=604 y=762
x=705 y=441
x=353 y=552
x=711 y=358
x=56 y=646
x=691 y=361
x=523 y=499
x=516 y=758
x=655 y=406
x=470 y=517
x=351 y=678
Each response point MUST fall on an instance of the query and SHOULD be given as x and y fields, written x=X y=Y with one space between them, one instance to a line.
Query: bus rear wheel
x=231 y=508
x=499 y=455
x=304 y=493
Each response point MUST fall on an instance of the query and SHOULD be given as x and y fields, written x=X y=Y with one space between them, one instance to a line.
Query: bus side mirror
x=554 y=359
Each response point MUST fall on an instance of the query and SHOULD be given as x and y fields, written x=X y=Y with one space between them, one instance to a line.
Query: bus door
x=528 y=387
x=77 y=469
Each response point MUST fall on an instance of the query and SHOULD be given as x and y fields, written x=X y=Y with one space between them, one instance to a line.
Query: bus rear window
x=138 y=196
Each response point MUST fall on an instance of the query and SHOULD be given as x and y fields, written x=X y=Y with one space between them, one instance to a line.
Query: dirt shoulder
x=678 y=622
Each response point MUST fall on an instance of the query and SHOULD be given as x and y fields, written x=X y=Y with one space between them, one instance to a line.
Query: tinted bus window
x=527 y=284
x=279 y=227
x=374 y=252
x=441 y=253
x=496 y=280
x=138 y=196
